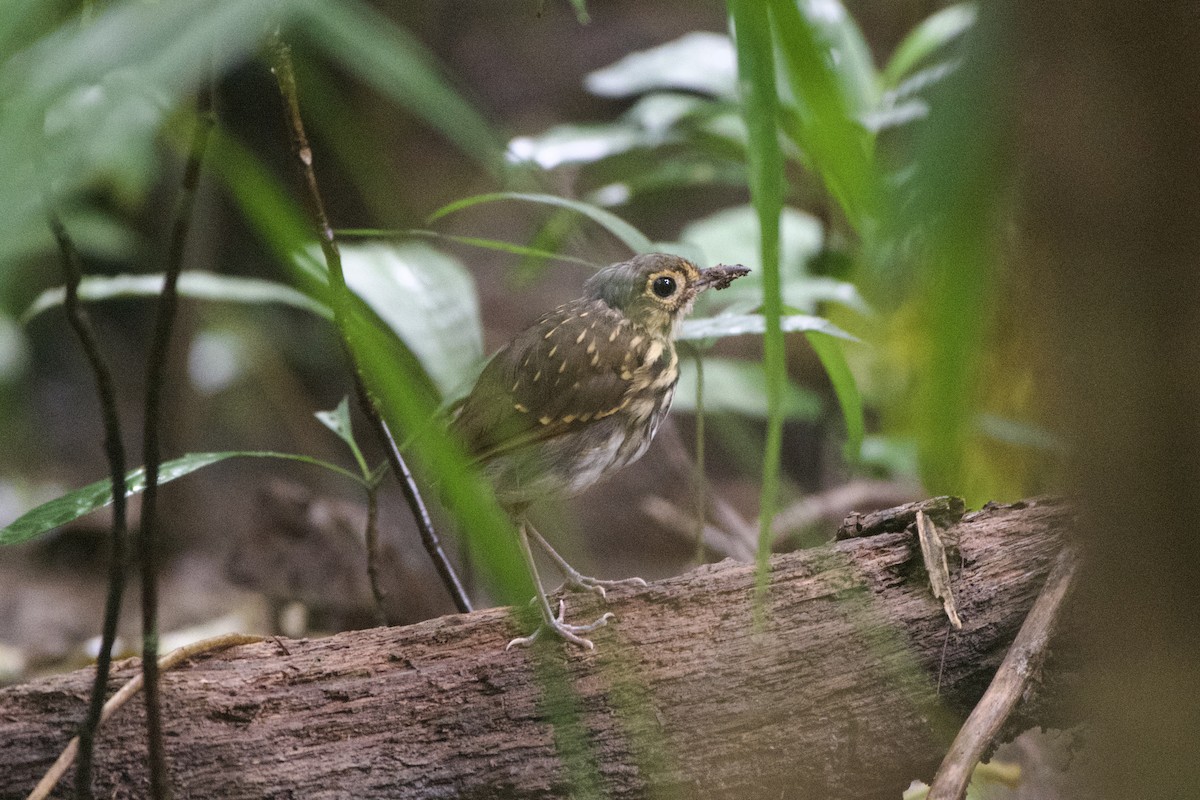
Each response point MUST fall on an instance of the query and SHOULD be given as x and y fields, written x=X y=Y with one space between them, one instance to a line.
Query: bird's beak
x=720 y=276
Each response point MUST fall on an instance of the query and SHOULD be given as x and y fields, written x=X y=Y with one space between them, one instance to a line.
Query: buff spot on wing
x=612 y=337
x=545 y=420
x=553 y=350
x=591 y=348
x=562 y=368
x=522 y=409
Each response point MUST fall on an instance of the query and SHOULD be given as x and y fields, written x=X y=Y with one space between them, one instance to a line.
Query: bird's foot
x=583 y=583
x=564 y=630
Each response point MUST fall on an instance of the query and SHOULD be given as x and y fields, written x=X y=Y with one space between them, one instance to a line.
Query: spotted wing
x=576 y=365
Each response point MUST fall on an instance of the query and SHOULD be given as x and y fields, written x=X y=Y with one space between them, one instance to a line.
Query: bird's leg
x=575 y=578
x=549 y=619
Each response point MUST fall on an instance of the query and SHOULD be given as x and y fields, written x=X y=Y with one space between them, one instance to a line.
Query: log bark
x=846 y=680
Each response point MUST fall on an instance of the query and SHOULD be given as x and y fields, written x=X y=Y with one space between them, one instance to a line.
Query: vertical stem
x=115 y=452
x=756 y=74
x=155 y=382
x=339 y=301
x=372 y=537
x=701 y=485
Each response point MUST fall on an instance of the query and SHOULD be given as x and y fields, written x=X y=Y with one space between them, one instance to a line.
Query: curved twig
x=169 y=661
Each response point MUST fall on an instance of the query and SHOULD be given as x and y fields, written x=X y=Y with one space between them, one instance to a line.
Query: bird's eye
x=663 y=286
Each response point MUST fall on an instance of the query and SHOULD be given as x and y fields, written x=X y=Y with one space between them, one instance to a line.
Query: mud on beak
x=720 y=276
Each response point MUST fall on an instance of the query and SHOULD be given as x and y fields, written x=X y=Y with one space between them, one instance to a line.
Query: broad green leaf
x=634 y=239
x=193 y=285
x=699 y=62
x=736 y=386
x=400 y=67
x=76 y=504
x=651 y=122
x=426 y=297
x=724 y=325
x=829 y=350
x=934 y=33
x=847 y=52
x=827 y=108
x=668 y=173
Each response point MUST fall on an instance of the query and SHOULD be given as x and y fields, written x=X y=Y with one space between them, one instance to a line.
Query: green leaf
x=699 y=62
x=634 y=239
x=76 y=504
x=760 y=108
x=427 y=298
x=829 y=350
x=400 y=67
x=193 y=285
x=739 y=387
x=652 y=122
x=724 y=325
x=84 y=104
x=338 y=421
x=934 y=33
x=828 y=107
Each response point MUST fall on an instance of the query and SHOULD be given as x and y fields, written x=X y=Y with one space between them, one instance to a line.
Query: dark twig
x=372 y=537
x=155 y=375
x=114 y=450
x=339 y=297
x=1020 y=666
x=701 y=485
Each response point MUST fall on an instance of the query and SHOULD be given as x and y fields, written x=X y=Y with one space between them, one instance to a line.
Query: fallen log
x=845 y=680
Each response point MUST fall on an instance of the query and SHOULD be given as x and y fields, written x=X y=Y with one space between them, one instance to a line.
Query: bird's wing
x=576 y=365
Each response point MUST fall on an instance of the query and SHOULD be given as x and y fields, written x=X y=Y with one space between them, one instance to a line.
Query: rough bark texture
x=830 y=689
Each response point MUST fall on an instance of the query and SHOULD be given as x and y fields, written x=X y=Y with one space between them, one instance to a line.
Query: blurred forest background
x=986 y=255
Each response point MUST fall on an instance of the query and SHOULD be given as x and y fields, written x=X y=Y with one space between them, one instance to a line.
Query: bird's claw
x=584 y=583
x=564 y=630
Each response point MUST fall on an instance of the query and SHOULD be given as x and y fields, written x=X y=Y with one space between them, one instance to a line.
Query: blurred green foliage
x=880 y=192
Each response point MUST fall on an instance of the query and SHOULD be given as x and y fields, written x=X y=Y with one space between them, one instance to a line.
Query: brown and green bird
x=579 y=395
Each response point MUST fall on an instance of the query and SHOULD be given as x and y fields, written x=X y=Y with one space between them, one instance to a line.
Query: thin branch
x=372 y=537
x=114 y=450
x=155 y=382
x=170 y=660
x=1020 y=666
x=701 y=485
x=281 y=66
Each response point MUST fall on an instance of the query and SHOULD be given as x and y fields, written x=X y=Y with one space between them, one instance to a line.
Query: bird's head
x=656 y=290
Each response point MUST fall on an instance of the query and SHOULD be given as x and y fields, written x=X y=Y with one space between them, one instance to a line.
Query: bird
x=579 y=395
